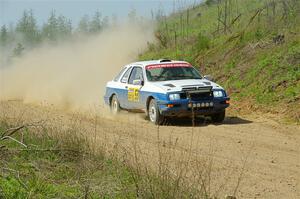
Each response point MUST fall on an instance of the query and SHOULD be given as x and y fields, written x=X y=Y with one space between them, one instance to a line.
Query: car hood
x=177 y=85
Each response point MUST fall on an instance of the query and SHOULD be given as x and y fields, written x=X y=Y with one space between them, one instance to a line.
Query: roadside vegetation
x=44 y=167
x=45 y=159
x=250 y=47
x=64 y=167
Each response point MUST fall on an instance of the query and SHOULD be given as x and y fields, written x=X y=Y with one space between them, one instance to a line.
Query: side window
x=126 y=75
x=136 y=74
x=119 y=75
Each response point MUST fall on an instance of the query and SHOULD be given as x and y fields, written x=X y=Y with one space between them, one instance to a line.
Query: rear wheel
x=218 y=117
x=115 y=105
x=153 y=113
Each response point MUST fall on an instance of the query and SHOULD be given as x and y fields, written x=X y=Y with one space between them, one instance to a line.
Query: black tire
x=115 y=105
x=154 y=114
x=218 y=117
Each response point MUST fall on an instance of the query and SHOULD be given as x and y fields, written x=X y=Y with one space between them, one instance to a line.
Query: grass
x=49 y=168
x=65 y=162
x=245 y=58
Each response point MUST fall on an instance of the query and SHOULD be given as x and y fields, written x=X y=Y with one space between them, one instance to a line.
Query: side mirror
x=138 y=82
x=208 y=77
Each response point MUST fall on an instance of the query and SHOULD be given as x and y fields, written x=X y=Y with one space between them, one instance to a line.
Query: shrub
x=203 y=42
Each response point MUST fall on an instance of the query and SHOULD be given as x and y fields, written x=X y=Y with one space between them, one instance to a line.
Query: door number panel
x=133 y=94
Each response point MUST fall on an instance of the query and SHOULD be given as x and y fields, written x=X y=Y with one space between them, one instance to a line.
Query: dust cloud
x=73 y=74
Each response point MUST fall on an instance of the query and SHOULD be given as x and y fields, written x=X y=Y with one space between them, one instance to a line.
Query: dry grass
x=159 y=168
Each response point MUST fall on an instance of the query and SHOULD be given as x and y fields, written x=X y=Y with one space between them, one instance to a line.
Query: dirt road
x=258 y=154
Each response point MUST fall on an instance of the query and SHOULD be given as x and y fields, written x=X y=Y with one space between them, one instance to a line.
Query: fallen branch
x=8 y=137
x=7 y=134
x=45 y=150
x=13 y=130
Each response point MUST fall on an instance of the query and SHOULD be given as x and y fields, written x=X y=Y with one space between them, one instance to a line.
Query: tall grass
x=153 y=168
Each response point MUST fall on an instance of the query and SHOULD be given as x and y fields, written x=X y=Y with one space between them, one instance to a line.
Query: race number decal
x=133 y=94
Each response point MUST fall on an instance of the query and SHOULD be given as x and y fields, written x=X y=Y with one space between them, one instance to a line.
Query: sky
x=11 y=10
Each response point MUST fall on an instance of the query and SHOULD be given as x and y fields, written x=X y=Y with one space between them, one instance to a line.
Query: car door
x=135 y=83
x=122 y=92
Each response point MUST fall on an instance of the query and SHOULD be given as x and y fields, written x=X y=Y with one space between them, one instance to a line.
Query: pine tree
x=28 y=28
x=64 y=27
x=105 y=22
x=3 y=36
x=96 y=23
x=83 y=26
x=50 y=29
x=132 y=16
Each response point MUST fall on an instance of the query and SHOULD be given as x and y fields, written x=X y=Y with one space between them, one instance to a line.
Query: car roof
x=152 y=62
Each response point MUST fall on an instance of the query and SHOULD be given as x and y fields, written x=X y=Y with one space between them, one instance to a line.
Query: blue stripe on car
x=162 y=100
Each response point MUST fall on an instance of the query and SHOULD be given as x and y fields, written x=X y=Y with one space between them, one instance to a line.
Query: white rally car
x=166 y=89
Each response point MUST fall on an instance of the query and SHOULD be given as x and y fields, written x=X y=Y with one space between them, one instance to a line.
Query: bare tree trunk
x=181 y=24
x=274 y=12
x=175 y=37
x=187 y=22
x=219 y=16
x=225 y=15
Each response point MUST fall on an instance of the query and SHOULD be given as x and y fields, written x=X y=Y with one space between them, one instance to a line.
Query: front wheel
x=218 y=117
x=115 y=105
x=153 y=113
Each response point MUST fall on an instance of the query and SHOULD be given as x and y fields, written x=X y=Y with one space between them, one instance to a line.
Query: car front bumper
x=185 y=108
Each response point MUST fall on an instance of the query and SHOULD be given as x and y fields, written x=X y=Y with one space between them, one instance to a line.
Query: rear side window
x=126 y=75
x=119 y=75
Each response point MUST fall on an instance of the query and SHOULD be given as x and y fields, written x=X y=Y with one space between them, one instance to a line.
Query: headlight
x=218 y=94
x=174 y=96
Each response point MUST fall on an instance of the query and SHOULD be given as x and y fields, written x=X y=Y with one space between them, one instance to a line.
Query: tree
x=105 y=22
x=28 y=28
x=50 y=29
x=3 y=36
x=83 y=26
x=211 y=2
x=96 y=23
x=64 y=27
x=226 y=17
x=132 y=16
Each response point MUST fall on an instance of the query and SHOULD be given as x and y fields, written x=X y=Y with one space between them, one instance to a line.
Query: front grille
x=200 y=96
x=197 y=93
x=197 y=88
x=183 y=95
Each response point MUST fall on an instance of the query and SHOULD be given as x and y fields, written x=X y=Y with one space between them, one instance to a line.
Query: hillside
x=252 y=48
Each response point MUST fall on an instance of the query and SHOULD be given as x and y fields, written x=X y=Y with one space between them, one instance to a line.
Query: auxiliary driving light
x=207 y=104
x=170 y=105
x=211 y=104
x=194 y=105
x=190 y=105
x=202 y=104
x=198 y=105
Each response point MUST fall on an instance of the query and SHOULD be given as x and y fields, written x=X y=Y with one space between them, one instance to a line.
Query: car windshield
x=173 y=72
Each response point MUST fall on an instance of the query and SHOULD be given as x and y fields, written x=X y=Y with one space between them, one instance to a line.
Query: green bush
x=211 y=2
x=203 y=42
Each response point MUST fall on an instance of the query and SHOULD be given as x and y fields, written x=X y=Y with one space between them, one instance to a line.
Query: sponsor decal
x=169 y=65
x=133 y=94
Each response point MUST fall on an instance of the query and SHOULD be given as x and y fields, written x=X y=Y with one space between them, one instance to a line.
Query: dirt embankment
x=259 y=155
